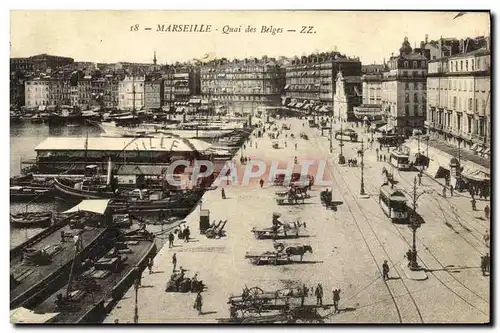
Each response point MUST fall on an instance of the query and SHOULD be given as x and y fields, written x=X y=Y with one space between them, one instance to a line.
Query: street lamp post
x=362 y=186
x=136 y=308
x=331 y=141
x=341 y=156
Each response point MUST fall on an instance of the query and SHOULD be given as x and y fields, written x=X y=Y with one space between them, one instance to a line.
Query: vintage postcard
x=250 y=167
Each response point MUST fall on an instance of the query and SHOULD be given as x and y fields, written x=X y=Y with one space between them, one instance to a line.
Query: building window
x=472 y=64
x=459 y=122
x=456 y=66
x=454 y=102
x=415 y=97
x=406 y=64
x=415 y=65
x=407 y=85
x=415 y=110
x=407 y=110
x=414 y=73
x=483 y=105
x=470 y=104
x=476 y=104
x=461 y=66
x=466 y=65
x=407 y=97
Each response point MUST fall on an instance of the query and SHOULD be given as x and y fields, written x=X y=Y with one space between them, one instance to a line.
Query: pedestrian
x=295 y=146
x=451 y=190
x=174 y=261
x=138 y=277
x=198 y=302
x=223 y=193
x=77 y=239
x=385 y=270
x=444 y=191
x=420 y=178
x=319 y=294
x=473 y=202
x=171 y=240
x=487 y=212
x=256 y=145
x=303 y=295
x=187 y=233
x=336 y=299
x=486 y=238
x=150 y=265
x=261 y=183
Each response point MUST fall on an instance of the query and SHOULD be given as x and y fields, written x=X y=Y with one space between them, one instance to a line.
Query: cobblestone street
x=349 y=247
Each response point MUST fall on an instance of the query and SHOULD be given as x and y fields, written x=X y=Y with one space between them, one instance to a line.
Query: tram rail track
x=440 y=263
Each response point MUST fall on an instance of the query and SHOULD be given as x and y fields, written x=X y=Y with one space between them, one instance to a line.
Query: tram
x=400 y=159
x=393 y=203
x=347 y=135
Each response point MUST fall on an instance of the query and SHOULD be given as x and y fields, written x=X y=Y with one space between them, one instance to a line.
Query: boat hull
x=24 y=221
x=69 y=192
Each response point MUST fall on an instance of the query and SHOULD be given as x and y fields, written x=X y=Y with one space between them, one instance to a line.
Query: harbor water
x=24 y=138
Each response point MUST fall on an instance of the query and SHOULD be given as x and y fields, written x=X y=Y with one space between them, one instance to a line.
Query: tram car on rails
x=400 y=159
x=393 y=203
x=347 y=135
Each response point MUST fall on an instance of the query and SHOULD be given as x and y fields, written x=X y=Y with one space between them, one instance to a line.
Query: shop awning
x=386 y=127
x=476 y=175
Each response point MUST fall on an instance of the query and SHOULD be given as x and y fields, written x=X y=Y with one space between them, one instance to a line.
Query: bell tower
x=154 y=58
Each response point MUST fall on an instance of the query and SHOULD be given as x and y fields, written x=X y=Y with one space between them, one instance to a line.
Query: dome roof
x=405 y=47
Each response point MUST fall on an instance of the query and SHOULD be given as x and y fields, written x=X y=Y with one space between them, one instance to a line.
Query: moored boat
x=31 y=220
x=39 y=264
x=77 y=190
x=96 y=287
x=28 y=193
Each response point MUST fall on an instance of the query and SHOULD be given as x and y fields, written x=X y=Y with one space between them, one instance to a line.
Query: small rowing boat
x=31 y=220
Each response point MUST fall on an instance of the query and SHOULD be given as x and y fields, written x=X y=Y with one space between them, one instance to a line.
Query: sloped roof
x=121 y=144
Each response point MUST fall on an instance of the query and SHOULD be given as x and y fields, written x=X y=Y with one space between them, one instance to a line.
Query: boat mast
x=133 y=93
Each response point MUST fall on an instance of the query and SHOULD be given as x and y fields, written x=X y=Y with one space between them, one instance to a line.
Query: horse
x=298 y=251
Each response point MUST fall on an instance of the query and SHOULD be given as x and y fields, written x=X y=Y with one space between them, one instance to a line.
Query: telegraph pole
x=414 y=225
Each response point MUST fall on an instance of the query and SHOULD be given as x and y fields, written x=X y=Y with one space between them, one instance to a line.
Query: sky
x=105 y=36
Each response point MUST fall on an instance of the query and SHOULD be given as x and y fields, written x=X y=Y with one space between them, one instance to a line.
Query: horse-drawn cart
x=282 y=255
x=290 y=197
x=282 y=306
x=287 y=230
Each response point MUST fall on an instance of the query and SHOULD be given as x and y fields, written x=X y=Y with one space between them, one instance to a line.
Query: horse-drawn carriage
x=276 y=145
x=281 y=306
x=285 y=231
x=326 y=198
x=304 y=136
